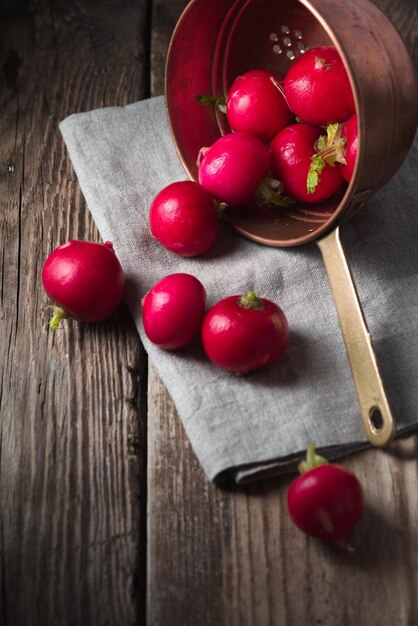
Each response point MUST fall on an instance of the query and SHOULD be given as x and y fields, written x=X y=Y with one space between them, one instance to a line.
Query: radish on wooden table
x=244 y=333
x=173 y=310
x=326 y=501
x=233 y=167
x=317 y=87
x=291 y=162
x=183 y=218
x=85 y=281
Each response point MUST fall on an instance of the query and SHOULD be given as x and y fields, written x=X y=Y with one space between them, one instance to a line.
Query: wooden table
x=106 y=517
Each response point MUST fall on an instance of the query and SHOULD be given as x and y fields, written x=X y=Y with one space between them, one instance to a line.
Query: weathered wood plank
x=71 y=437
x=232 y=557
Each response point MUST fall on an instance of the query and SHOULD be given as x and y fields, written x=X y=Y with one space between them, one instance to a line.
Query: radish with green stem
x=303 y=178
x=326 y=501
x=339 y=145
x=84 y=279
x=244 y=333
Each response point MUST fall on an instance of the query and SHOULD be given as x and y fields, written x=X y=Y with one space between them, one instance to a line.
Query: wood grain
x=73 y=405
x=72 y=441
x=231 y=557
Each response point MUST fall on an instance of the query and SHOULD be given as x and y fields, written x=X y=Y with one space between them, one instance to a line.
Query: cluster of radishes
x=239 y=333
x=269 y=157
x=309 y=159
x=273 y=159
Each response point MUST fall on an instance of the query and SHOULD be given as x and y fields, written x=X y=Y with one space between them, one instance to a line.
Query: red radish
x=233 y=167
x=291 y=158
x=84 y=279
x=326 y=501
x=256 y=105
x=350 y=136
x=183 y=218
x=244 y=333
x=173 y=311
x=317 y=87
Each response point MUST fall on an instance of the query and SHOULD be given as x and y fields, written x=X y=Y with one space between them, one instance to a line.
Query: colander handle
x=378 y=419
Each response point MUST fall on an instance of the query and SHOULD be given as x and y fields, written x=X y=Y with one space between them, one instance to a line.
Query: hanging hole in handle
x=376 y=418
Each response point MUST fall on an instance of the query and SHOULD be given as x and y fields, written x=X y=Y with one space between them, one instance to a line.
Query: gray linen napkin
x=246 y=428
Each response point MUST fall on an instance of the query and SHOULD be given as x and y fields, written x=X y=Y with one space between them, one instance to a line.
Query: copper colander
x=215 y=41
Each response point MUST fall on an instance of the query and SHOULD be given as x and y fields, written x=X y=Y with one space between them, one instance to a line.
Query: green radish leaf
x=331 y=147
x=316 y=167
x=332 y=132
x=219 y=102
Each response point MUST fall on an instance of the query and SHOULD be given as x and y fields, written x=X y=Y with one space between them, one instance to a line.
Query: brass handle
x=378 y=419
